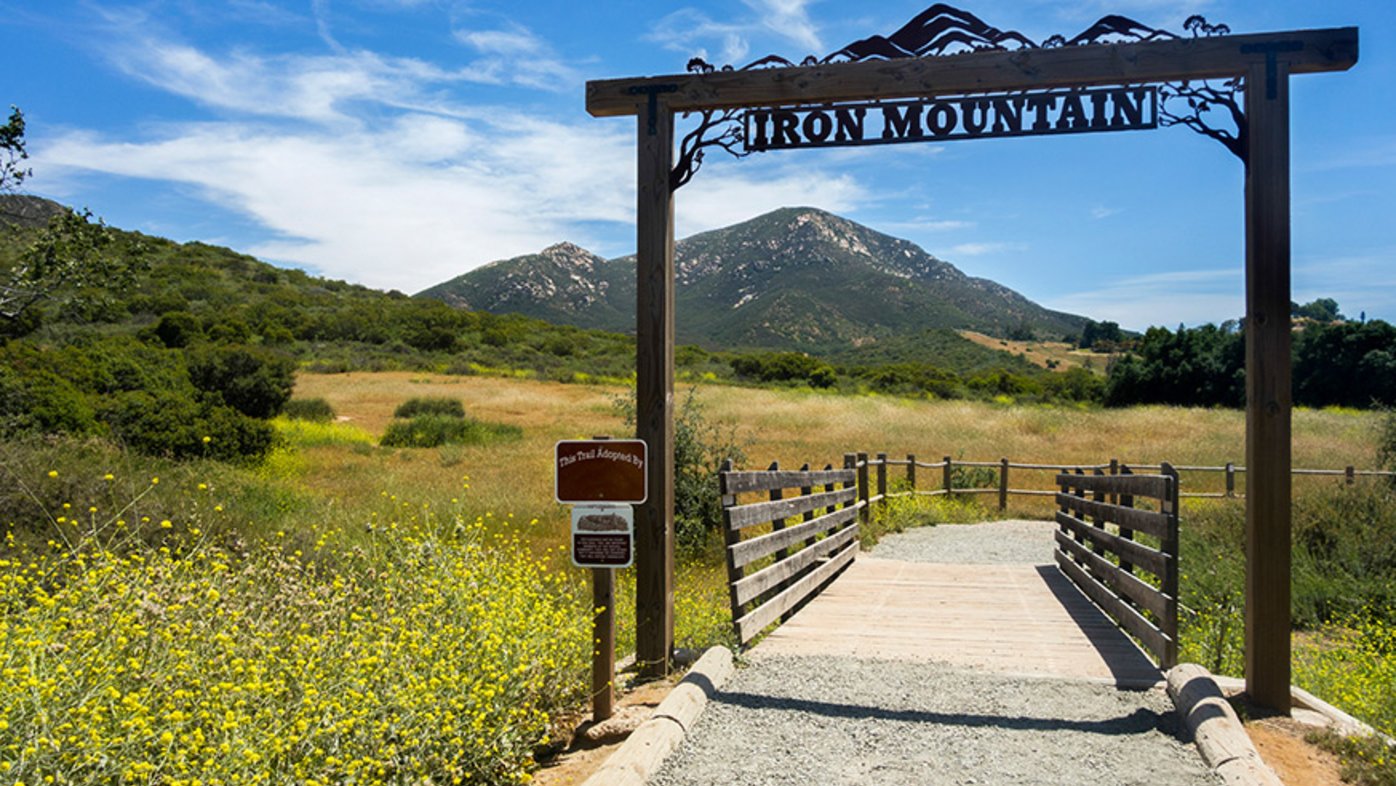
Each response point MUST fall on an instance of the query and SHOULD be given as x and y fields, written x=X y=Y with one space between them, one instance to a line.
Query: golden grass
x=1039 y=352
x=791 y=426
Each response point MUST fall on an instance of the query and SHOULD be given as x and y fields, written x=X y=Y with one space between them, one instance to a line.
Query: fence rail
x=772 y=573
x=877 y=465
x=1105 y=565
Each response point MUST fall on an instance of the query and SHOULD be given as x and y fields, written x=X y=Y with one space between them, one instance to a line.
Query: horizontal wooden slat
x=1155 y=486
x=762 y=512
x=1141 y=592
x=754 y=622
x=1146 y=521
x=771 y=576
x=749 y=551
x=1129 y=619
x=1128 y=550
x=741 y=482
x=1216 y=57
x=1058 y=467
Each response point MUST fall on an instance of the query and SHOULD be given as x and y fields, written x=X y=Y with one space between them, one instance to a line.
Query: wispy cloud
x=356 y=166
x=728 y=42
x=515 y=55
x=984 y=248
x=1137 y=302
x=1101 y=212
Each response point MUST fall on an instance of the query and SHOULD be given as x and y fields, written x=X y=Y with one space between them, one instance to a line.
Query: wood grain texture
x=1155 y=486
x=762 y=512
x=1154 y=639
x=771 y=576
x=1140 y=592
x=1146 y=521
x=763 y=615
x=1333 y=49
x=747 y=551
x=1268 y=394
x=1009 y=619
x=747 y=481
x=1137 y=554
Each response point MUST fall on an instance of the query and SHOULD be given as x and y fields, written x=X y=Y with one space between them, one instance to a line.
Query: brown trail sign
x=950 y=58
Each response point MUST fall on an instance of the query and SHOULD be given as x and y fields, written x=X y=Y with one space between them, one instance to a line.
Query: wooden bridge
x=1115 y=577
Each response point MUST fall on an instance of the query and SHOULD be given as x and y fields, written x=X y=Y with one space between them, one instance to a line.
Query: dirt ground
x=591 y=744
x=1282 y=746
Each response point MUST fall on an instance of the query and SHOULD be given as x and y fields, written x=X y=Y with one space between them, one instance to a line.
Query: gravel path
x=846 y=722
x=1014 y=541
x=840 y=721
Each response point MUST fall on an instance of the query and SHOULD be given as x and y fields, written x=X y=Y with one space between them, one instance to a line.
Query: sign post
x=602 y=478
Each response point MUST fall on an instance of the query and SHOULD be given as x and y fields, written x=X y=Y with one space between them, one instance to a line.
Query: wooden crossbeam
x=1330 y=49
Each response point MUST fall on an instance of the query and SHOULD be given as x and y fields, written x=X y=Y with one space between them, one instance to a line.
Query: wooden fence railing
x=779 y=567
x=875 y=467
x=1107 y=565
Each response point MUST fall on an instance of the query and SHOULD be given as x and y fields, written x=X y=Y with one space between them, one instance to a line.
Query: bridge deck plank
x=1009 y=619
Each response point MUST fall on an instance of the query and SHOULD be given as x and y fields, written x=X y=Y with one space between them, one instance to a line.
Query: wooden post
x=1230 y=479
x=911 y=472
x=1268 y=374
x=849 y=462
x=1169 y=544
x=654 y=387
x=948 y=476
x=1350 y=473
x=1003 y=484
x=778 y=524
x=1114 y=470
x=730 y=537
x=863 y=487
x=1098 y=496
x=1126 y=501
x=882 y=478
x=603 y=640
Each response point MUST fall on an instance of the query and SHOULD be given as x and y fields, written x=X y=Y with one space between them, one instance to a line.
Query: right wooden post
x=1268 y=399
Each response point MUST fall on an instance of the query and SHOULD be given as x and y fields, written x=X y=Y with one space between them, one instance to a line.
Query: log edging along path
x=647 y=747
x=1220 y=737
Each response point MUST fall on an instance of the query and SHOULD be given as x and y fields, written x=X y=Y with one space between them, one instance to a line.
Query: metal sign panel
x=1034 y=113
x=601 y=470
x=603 y=536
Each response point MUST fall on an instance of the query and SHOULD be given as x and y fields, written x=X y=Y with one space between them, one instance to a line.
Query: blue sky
x=398 y=143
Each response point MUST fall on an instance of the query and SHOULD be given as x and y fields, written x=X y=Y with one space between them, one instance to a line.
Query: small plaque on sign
x=601 y=470
x=603 y=536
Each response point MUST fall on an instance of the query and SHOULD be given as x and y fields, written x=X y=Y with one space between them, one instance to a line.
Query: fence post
x=730 y=537
x=777 y=524
x=948 y=487
x=882 y=479
x=1114 y=470
x=1170 y=570
x=1230 y=479
x=1126 y=501
x=1351 y=474
x=1003 y=484
x=849 y=462
x=1098 y=496
x=863 y=487
x=911 y=472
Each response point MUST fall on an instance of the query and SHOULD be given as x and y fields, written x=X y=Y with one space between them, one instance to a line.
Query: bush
x=315 y=410
x=700 y=447
x=430 y=405
x=432 y=431
x=254 y=381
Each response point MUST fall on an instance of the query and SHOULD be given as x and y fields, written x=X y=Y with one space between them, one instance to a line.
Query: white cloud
x=1101 y=212
x=694 y=33
x=984 y=248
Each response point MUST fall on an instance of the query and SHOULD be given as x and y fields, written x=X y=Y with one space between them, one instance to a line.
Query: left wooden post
x=654 y=386
x=603 y=641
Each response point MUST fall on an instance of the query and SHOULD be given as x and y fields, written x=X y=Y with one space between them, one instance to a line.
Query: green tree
x=12 y=153
x=70 y=259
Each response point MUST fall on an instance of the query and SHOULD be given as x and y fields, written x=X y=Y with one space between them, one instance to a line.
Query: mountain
x=795 y=278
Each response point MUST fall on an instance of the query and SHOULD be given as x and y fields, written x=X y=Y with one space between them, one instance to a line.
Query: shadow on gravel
x=1137 y=722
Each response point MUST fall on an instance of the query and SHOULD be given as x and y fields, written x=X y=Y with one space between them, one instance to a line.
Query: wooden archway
x=1264 y=61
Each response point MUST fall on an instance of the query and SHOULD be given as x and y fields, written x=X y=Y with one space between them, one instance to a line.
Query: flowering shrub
x=422 y=650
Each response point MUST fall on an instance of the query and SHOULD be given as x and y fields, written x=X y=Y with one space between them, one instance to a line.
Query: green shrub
x=432 y=431
x=252 y=380
x=178 y=329
x=316 y=410
x=430 y=405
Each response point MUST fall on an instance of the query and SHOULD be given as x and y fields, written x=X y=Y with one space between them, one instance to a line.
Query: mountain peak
x=794 y=278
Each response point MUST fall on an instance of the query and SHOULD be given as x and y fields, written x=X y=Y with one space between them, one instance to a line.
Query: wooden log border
x=1104 y=564
x=822 y=541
